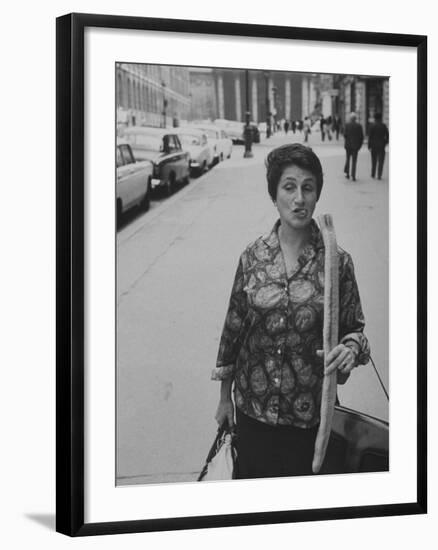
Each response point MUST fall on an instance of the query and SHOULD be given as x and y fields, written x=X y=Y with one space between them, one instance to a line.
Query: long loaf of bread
x=330 y=337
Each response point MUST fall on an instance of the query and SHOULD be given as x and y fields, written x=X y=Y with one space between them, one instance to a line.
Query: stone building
x=364 y=95
x=202 y=94
x=159 y=95
x=152 y=95
x=222 y=93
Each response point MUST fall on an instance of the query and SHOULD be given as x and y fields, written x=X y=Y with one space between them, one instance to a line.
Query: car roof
x=152 y=131
x=121 y=141
x=189 y=129
x=208 y=126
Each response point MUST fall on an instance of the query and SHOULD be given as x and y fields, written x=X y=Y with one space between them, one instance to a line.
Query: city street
x=175 y=267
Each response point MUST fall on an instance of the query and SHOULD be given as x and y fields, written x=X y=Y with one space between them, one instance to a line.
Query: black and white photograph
x=252 y=273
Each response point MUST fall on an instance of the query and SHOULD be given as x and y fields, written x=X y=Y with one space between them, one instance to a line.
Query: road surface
x=175 y=266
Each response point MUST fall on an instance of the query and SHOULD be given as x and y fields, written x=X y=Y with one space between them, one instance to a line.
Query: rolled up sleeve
x=351 y=318
x=231 y=334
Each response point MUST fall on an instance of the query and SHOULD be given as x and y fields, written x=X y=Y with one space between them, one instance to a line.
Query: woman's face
x=296 y=197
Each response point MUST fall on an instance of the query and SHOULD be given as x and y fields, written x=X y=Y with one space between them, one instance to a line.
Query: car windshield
x=145 y=141
x=190 y=139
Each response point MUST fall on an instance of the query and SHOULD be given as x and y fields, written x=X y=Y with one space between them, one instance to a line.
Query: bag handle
x=379 y=378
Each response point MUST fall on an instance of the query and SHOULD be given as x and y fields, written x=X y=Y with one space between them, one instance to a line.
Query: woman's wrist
x=225 y=393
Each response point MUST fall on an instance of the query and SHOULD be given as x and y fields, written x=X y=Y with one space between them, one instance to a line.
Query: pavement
x=175 y=266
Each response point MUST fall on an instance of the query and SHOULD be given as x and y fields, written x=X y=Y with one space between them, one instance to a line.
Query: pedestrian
x=328 y=127
x=378 y=138
x=273 y=331
x=306 y=128
x=353 y=136
x=286 y=126
x=322 y=125
x=300 y=125
x=336 y=126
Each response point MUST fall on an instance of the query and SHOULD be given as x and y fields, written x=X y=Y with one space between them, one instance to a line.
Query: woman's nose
x=299 y=197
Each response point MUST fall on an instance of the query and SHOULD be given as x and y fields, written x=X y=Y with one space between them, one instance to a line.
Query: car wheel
x=146 y=201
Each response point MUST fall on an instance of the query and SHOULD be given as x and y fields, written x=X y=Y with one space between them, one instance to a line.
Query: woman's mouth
x=300 y=212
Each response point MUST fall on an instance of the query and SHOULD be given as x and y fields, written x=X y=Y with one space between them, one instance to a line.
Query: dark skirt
x=272 y=451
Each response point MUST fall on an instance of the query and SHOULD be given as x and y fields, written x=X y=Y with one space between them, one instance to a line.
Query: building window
x=119 y=90
x=145 y=99
x=353 y=97
x=129 y=86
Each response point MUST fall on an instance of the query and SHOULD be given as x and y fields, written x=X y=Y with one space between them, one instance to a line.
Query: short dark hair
x=378 y=116
x=292 y=154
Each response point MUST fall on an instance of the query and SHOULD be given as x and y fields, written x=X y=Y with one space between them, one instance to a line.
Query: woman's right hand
x=225 y=412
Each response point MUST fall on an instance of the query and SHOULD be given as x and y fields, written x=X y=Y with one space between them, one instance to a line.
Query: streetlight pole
x=274 y=92
x=163 y=84
x=268 y=113
x=248 y=140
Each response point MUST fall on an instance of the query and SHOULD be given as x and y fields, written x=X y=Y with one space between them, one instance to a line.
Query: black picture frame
x=70 y=272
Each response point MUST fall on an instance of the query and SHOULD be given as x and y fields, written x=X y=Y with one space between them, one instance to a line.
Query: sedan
x=196 y=143
x=162 y=147
x=219 y=140
x=133 y=180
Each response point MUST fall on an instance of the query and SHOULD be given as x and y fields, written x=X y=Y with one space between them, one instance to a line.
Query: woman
x=271 y=343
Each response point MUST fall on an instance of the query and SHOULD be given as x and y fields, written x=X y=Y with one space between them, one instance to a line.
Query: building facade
x=165 y=96
x=274 y=94
x=365 y=96
x=202 y=94
x=151 y=95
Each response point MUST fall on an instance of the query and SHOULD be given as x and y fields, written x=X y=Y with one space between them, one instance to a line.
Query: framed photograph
x=241 y=274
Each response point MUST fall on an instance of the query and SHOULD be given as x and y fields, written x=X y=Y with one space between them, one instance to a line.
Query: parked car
x=134 y=180
x=195 y=141
x=236 y=130
x=219 y=140
x=358 y=443
x=232 y=128
x=161 y=146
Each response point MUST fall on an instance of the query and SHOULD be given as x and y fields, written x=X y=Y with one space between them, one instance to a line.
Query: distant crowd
x=331 y=127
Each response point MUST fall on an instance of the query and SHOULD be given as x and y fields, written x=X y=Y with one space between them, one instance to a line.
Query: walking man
x=336 y=126
x=353 y=135
x=306 y=128
x=377 y=140
x=322 y=126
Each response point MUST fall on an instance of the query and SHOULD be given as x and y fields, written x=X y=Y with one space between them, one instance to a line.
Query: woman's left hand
x=341 y=358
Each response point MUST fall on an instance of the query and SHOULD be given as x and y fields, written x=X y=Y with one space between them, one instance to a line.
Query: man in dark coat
x=353 y=135
x=377 y=140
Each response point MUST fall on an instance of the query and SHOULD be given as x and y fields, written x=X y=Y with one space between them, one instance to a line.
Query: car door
x=136 y=179
x=124 y=193
x=180 y=157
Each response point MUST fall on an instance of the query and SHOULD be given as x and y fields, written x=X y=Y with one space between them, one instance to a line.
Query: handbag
x=221 y=461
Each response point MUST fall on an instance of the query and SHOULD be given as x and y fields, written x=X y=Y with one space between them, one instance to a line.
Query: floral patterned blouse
x=274 y=326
